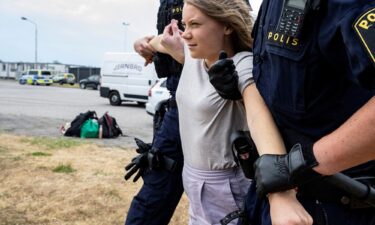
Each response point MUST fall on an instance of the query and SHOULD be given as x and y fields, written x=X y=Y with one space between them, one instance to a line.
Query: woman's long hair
x=234 y=14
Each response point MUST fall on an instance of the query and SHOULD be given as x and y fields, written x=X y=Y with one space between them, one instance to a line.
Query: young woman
x=213 y=183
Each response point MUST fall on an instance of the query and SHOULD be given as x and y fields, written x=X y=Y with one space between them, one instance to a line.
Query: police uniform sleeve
x=354 y=23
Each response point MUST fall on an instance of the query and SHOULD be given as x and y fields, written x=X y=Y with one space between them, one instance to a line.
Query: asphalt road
x=41 y=110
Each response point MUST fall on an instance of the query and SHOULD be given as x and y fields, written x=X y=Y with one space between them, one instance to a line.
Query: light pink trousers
x=213 y=194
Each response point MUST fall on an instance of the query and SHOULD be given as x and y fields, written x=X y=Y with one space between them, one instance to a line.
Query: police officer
x=162 y=187
x=314 y=65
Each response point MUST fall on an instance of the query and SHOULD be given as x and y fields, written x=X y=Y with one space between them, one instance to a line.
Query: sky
x=76 y=32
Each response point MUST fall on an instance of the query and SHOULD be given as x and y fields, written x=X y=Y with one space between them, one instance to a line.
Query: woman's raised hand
x=172 y=41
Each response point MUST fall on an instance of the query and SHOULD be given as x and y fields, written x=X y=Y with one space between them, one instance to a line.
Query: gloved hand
x=274 y=173
x=140 y=162
x=223 y=76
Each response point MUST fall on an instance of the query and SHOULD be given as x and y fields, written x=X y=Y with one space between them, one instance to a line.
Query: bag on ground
x=108 y=127
x=75 y=126
x=90 y=129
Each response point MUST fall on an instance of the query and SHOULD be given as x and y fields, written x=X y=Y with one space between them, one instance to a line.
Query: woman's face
x=204 y=36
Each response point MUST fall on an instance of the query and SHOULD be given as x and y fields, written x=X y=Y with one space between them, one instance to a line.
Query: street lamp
x=126 y=29
x=36 y=38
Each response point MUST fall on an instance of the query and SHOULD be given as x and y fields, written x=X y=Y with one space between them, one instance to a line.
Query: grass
x=100 y=173
x=40 y=154
x=76 y=85
x=17 y=158
x=52 y=143
x=3 y=149
x=64 y=169
x=12 y=216
x=113 y=194
x=78 y=185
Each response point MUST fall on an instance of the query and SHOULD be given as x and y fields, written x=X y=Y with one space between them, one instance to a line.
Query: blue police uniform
x=162 y=189
x=313 y=83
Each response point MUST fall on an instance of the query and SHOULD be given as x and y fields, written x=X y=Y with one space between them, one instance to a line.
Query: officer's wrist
x=308 y=155
x=282 y=194
x=303 y=161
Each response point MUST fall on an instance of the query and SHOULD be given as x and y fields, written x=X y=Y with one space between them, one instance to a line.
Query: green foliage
x=52 y=143
x=40 y=154
x=64 y=169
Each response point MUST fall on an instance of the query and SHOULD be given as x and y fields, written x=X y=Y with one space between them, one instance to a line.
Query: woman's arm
x=144 y=49
x=284 y=206
x=170 y=42
x=261 y=124
x=156 y=44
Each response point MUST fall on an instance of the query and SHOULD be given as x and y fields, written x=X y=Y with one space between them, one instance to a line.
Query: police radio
x=292 y=17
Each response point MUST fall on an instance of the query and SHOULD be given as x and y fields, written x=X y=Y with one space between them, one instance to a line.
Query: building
x=13 y=70
x=83 y=72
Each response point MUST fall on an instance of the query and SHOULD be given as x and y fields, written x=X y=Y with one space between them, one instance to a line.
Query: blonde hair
x=234 y=14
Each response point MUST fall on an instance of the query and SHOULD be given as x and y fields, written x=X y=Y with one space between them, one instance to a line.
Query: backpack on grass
x=75 y=126
x=109 y=127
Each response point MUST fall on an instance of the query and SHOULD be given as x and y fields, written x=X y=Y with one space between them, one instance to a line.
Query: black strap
x=169 y=163
x=232 y=216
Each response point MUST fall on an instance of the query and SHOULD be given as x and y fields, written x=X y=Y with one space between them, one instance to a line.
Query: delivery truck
x=125 y=78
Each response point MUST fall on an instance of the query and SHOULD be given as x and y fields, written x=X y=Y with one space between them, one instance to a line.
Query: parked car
x=37 y=72
x=36 y=77
x=92 y=81
x=156 y=94
x=64 y=78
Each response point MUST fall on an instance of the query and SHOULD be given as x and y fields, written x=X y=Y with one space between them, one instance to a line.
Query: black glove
x=274 y=173
x=140 y=162
x=148 y=159
x=223 y=76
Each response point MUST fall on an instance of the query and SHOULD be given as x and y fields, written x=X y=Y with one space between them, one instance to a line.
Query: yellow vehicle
x=64 y=78
x=36 y=77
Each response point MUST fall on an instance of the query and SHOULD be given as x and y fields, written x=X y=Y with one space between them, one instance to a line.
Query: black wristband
x=306 y=174
x=308 y=155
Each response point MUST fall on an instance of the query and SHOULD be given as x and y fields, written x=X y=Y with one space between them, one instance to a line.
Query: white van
x=125 y=78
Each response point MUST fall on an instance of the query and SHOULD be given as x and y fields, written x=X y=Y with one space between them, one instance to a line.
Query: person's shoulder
x=356 y=19
x=347 y=3
x=345 y=14
x=244 y=56
x=171 y=2
x=347 y=7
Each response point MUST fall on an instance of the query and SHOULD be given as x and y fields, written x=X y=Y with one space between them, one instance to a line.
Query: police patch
x=365 y=29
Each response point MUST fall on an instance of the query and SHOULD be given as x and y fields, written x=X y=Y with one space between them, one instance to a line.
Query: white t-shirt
x=206 y=119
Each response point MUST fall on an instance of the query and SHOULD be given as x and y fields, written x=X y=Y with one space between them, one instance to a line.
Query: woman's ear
x=227 y=30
